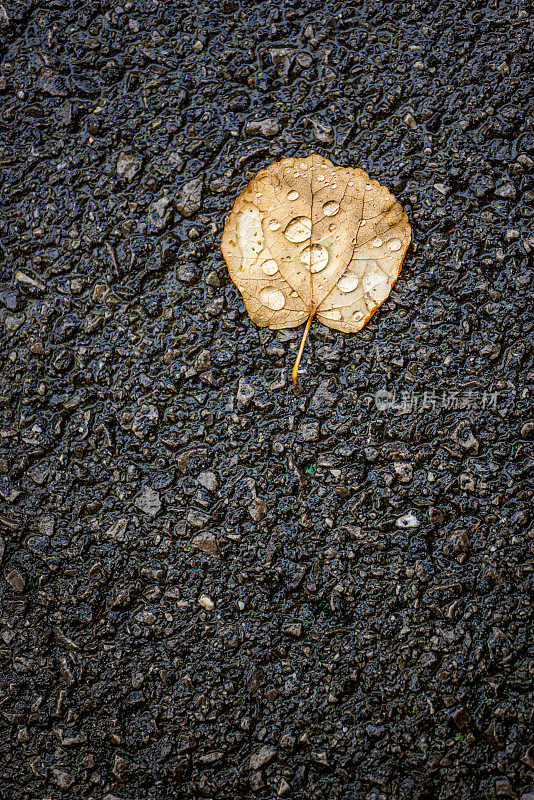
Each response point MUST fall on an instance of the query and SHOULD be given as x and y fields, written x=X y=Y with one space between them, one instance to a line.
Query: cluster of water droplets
x=315 y=257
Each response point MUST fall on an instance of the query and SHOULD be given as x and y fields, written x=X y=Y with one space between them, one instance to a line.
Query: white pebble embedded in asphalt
x=206 y=602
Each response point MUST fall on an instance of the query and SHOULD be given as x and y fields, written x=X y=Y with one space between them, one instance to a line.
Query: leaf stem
x=294 y=373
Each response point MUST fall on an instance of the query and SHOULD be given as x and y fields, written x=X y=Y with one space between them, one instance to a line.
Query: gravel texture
x=212 y=586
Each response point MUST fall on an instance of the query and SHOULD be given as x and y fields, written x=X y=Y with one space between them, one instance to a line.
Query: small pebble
x=206 y=602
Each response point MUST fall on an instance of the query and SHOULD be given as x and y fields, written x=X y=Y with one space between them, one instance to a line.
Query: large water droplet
x=292 y=195
x=377 y=242
x=272 y=298
x=320 y=178
x=274 y=225
x=394 y=244
x=315 y=257
x=299 y=229
x=270 y=267
x=330 y=208
x=348 y=282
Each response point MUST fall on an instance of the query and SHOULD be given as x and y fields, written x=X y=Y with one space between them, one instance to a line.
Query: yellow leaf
x=308 y=239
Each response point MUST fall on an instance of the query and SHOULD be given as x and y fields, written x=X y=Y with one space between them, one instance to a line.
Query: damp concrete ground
x=212 y=586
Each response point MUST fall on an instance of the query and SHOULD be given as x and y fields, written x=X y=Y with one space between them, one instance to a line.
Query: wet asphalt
x=212 y=586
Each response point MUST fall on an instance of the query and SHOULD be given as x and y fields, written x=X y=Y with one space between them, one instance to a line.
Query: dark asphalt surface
x=212 y=586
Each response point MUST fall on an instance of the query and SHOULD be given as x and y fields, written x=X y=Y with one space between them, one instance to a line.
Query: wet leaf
x=308 y=239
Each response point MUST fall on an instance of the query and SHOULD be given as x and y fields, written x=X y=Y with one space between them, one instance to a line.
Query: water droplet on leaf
x=270 y=267
x=299 y=229
x=348 y=282
x=272 y=298
x=330 y=208
x=315 y=257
